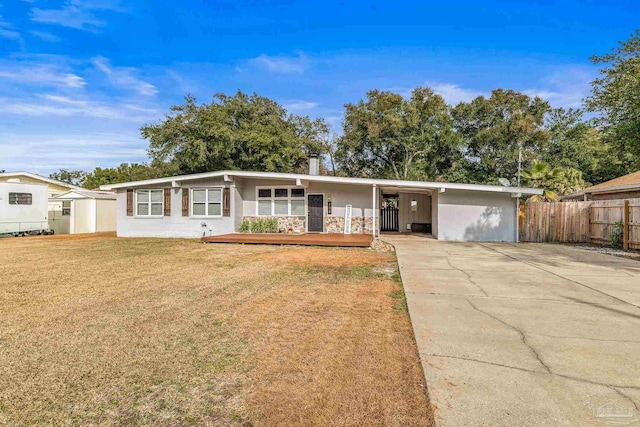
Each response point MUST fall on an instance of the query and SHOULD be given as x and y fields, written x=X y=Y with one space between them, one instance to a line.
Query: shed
x=83 y=211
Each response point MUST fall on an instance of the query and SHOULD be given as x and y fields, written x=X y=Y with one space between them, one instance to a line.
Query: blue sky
x=79 y=77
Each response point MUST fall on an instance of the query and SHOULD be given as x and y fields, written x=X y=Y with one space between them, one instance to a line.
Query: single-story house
x=623 y=187
x=83 y=211
x=215 y=203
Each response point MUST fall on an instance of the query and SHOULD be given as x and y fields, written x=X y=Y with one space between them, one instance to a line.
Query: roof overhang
x=613 y=189
x=301 y=179
x=85 y=194
x=40 y=178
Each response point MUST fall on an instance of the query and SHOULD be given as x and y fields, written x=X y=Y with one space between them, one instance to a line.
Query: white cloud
x=78 y=14
x=43 y=153
x=565 y=86
x=282 y=64
x=43 y=35
x=40 y=74
x=63 y=100
x=8 y=31
x=124 y=77
x=64 y=107
x=297 y=105
x=453 y=93
x=68 y=16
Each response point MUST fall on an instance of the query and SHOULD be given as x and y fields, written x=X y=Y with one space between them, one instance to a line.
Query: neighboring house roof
x=300 y=178
x=88 y=194
x=622 y=183
x=39 y=178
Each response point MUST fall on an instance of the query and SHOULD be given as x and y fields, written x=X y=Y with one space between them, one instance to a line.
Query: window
x=281 y=201
x=20 y=198
x=66 y=208
x=149 y=202
x=264 y=192
x=206 y=202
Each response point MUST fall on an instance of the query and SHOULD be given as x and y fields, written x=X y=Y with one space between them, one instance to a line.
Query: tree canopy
x=616 y=97
x=73 y=177
x=242 y=131
x=493 y=129
x=389 y=136
x=124 y=173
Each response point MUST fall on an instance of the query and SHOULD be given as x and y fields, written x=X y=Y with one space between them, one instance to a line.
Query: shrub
x=271 y=225
x=245 y=226
x=259 y=225
x=617 y=236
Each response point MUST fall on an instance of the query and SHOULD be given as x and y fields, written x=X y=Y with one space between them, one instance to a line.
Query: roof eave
x=42 y=178
x=321 y=178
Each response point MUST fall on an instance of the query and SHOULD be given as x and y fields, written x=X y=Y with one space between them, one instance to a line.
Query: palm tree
x=570 y=182
x=540 y=175
x=554 y=182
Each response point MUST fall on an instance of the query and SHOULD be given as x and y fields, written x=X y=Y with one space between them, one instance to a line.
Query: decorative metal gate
x=389 y=219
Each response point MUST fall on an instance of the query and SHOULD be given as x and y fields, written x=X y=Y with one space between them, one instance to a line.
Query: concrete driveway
x=524 y=334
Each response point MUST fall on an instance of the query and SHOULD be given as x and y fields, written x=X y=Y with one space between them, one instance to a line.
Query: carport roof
x=301 y=179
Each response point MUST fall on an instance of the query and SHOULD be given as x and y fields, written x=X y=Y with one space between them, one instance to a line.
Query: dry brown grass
x=104 y=331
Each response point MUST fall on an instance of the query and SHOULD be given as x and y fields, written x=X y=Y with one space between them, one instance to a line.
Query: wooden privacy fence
x=586 y=222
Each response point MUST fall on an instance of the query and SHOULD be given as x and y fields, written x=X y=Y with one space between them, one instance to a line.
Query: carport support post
x=625 y=225
x=373 y=225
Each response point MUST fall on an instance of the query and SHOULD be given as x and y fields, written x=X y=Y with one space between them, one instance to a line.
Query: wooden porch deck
x=307 y=239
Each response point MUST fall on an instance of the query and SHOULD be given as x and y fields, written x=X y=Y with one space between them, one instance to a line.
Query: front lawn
x=96 y=330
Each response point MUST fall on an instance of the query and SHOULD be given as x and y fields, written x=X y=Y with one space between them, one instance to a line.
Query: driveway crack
x=559 y=275
x=626 y=397
x=523 y=336
x=468 y=277
x=548 y=370
x=614 y=387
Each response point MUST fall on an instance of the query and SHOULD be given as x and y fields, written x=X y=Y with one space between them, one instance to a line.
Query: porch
x=304 y=239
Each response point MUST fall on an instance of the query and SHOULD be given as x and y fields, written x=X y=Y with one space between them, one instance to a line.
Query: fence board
x=578 y=222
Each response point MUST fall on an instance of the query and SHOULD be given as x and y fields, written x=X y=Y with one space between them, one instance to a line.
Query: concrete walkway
x=524 y=334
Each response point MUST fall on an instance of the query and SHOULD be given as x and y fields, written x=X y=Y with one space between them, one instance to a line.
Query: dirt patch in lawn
x=105 y=331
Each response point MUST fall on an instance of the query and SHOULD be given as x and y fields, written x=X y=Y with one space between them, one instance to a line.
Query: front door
x=316 y=213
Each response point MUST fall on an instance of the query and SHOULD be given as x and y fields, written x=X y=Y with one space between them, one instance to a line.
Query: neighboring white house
x=54 y=187
x=23 y=208
x=83 y=211
x=72 y=209
x=215 y=203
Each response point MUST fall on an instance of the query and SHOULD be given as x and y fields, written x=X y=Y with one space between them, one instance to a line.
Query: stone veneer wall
x=286 y=224
x=359 y=224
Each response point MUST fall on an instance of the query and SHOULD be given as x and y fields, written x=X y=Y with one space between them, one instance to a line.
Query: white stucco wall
x=358 y=196
x=175 y=225
x=476 y=216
